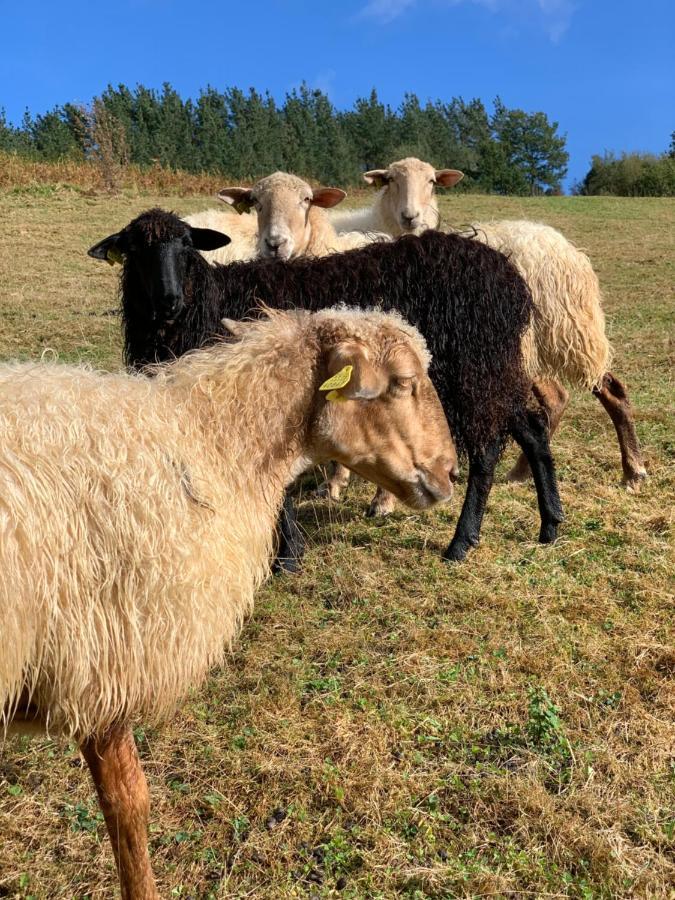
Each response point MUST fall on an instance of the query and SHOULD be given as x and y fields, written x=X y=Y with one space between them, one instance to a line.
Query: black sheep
x=468 y=301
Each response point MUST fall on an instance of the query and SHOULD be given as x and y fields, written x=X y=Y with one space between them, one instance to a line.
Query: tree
x=531 y=145
x=373 y=130
x=53 y=137
x=212 y=131
x=13 y=140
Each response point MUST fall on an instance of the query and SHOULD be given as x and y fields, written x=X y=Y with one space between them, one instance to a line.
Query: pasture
x=389 y=726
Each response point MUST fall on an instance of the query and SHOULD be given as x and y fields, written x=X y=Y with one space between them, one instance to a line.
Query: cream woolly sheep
x=137 y=518
x=242 y=231
x=567 y=339
x=405 y=202
x=282 y=216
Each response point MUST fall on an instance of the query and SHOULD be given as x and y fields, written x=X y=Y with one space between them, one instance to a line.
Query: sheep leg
x=553 y=398
x=338 y=481
x=614 y=398
x=123 y=795
x=532 y=435
x=382 y=504
x=481 y=476
x=291 y=541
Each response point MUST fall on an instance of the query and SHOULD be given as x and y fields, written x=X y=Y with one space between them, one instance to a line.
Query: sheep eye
x=401 y=386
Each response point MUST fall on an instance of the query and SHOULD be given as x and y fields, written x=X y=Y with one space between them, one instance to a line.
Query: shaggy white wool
x=242 y=230
x=567 y=338
x=137 y=514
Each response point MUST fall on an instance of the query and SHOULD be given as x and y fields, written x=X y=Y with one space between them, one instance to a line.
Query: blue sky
x=604 y=70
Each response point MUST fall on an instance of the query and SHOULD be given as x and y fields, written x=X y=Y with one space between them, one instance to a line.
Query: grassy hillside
x=390 y=726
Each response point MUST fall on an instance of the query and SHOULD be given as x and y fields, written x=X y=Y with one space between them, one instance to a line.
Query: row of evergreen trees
x=246 y=135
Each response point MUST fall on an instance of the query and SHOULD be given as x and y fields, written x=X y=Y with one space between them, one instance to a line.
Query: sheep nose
x=173 y=303
x=408 y=219
x=274 y=244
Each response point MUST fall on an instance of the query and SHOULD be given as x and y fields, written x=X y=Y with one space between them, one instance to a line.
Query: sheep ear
x=448 y=177
x=355 y=377
x=378 y=177
x=208 y=239
x=328 y=197
x=240 y=198
x=109 y=249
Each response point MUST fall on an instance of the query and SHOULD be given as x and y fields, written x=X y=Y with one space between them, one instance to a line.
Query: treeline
x=245 y=135
x=631 y=175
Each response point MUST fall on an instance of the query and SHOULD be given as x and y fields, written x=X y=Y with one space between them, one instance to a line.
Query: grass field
x=389 y=726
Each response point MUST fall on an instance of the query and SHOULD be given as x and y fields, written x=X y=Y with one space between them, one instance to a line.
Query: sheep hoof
x=548 y=533
x=287 y=564
x=455 y=553
x=634 y=482
x=380 y=508
x=328 y=490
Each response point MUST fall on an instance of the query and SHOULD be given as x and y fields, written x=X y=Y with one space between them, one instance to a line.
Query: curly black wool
x=467 y=300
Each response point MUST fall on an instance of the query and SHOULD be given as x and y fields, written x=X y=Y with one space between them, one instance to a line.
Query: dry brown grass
x=387 y=725
x=19 y=175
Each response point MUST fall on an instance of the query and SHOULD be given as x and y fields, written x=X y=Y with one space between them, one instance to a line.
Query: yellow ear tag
x=336 y=397
x=337 y=381
x=114 y=256
x=242 y=206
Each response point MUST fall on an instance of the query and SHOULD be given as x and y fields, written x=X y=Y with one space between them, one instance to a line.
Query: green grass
x=389 y=726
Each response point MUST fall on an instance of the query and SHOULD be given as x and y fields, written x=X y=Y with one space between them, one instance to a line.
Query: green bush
x=631 y=175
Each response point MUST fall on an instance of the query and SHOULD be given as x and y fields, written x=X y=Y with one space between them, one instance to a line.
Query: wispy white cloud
x=384 y=11
x=557 y=16
x=554 y=16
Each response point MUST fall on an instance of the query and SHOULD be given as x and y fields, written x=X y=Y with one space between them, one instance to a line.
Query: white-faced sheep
x=137 y=517
x=567 y=340
x=281 y=216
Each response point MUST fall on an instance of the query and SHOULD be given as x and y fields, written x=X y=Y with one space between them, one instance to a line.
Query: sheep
x=137 y=515
x=282 y=216
x=567 y=339
x=467 y=299
x=242 y=230
x=405 y=202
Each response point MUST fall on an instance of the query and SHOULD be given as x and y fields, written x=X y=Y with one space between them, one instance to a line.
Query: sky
x=603 y=69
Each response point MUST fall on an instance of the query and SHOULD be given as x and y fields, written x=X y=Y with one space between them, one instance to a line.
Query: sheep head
x=408 y=201
x=157 y=245
x=378 y=412
x=284 y=205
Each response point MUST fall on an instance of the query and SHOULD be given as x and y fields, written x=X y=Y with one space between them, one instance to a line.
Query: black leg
x=531 y=433
x=291 y=542
x=481 y=476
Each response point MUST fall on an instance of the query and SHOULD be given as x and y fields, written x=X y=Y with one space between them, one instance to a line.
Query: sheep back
x=128 y=562
x=566 y=338
x=467 y=299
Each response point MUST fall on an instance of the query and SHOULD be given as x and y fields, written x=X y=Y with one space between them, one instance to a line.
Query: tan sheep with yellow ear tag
x=114 y=608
